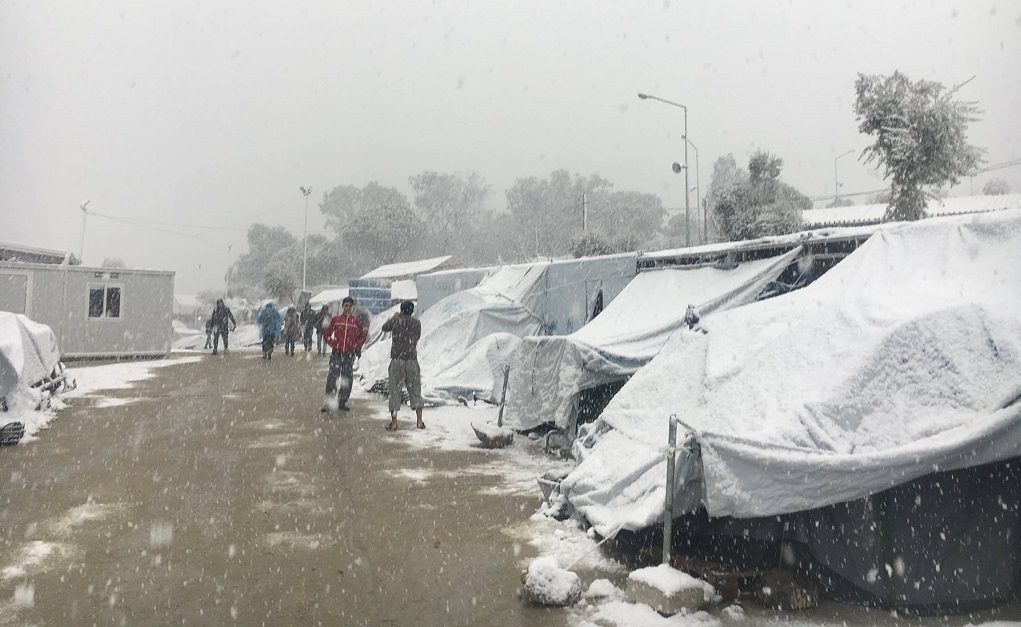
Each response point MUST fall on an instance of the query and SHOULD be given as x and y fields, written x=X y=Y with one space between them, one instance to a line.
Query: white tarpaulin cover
x=903 y=360
x=551 y=371
x=504 y=303
x=28 y=351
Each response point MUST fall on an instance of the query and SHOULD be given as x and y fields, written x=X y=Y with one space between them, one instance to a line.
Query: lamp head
x=676 y=167
x=643 y=96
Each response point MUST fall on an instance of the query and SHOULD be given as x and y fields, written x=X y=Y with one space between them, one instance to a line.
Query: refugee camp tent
x=519 y=300
x=550 y=372
x=331 y=297
x=435 y=286
x=872 y=418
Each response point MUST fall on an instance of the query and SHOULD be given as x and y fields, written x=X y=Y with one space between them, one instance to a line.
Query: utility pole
x=81 y=242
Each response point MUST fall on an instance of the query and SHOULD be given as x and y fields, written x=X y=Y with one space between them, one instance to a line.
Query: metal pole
x=687 y=209
x=81 y=242
x=503 y=396
x=668 y=506
x=306 y=192
x=698 y=191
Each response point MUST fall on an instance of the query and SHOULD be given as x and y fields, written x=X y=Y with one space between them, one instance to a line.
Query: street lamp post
x=836 y=183
x=698 y=194
x=306 y=192
x=687 y=208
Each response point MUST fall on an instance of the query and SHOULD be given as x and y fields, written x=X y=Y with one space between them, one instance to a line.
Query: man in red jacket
x=345 y=334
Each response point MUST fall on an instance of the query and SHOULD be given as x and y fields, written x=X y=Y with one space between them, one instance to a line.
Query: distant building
x=13 y=253
x=94 y=312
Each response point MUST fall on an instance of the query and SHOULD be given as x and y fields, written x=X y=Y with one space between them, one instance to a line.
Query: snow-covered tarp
x=903 y=360
x=551 y=371
x=28 y=351
x=505 y=303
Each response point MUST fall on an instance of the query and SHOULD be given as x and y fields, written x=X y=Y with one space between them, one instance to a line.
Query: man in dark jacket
x=404 y=370
x=345 y=335
x=308 y=324
x=322 y=318
x=223 y=322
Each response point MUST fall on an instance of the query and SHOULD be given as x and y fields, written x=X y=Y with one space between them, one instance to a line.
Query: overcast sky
x=213 y=114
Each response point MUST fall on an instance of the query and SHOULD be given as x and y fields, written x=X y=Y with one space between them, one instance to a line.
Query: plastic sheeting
x=507 y=302
x=551 y=371
x=903 y=360
x=28 y=351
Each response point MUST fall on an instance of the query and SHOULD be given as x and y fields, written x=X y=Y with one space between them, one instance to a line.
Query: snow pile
x=903 y=359
x=672 y=582
x=548 y=584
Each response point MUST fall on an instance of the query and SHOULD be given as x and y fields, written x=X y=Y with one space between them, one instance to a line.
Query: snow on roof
x=326 y=297
x=883 y=370
x=871 y=214
x=16 y=252
x=411 y=269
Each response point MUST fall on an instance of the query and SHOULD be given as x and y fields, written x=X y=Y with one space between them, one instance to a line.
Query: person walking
x=345 y=334
x=292 y=330
x=269 y=321
x=223 y=323
x=308 y=323
x=404 y=370
x=209 y=333
x=322 y=318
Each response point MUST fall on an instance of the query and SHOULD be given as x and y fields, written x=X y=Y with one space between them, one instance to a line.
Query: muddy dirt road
x=216 y=493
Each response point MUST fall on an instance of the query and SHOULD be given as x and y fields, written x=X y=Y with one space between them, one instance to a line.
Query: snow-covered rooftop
x=411 y=269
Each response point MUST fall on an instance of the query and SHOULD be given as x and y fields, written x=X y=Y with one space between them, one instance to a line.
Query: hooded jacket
x=270 y=321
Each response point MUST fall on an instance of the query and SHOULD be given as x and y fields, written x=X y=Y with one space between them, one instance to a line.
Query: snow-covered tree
x=762 y=205
x=384 y=234
x=920 y=129
x=451 y=205
x=344 y=202
x=996 y=187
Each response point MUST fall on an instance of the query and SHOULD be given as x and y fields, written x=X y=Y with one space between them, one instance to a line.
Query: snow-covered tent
x=872 y=420
x=515 y=301
x=331 y=297
x=550 y=372
x=28 y=351
x=435 y=286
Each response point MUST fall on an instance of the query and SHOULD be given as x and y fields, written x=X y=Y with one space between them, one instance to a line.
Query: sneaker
x=325 y=408
x=214 y=352
x=343 y=407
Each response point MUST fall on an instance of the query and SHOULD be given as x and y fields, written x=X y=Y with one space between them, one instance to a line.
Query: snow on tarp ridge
x=551 y=371
x=897 y=362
